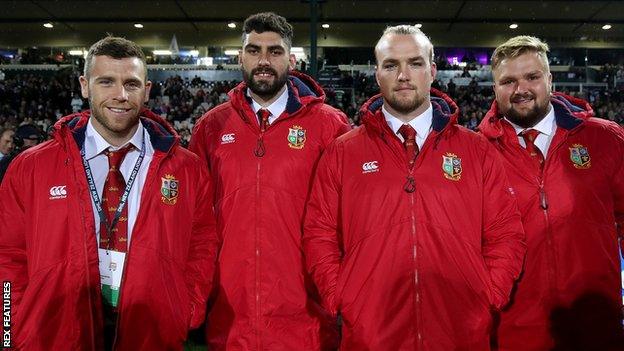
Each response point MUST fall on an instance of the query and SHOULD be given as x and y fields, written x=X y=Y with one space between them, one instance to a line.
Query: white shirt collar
x=546 y=126
x=276 y=108
x=421 y=123
x=95 y=143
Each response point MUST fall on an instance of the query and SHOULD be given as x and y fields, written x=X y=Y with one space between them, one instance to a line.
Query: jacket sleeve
x=13 y=208
x=321 y=229
x=198 y=141
x=203 y=249
x=618 y=185
x=503 y=243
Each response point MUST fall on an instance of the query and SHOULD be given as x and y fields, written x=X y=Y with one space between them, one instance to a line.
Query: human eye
x=133 y=85
x=389 y=66
x=277 y=52
x=105 y=81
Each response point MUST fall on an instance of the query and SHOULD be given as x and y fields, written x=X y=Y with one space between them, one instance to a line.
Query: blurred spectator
x=26 y=136
x=76 y=103
x=6 y=142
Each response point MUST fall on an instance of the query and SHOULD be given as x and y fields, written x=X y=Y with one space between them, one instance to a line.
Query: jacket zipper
x=86 y=255
x=415 y=265
x=126 y=259
x=410 y=188
x=552 y=267
x=544 y=205
x=257 y=257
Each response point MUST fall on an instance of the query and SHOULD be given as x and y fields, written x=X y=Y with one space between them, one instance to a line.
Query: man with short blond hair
x=412 y=232
x=566 y=168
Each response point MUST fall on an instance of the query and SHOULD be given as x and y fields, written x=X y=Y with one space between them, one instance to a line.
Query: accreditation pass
x=111 y=270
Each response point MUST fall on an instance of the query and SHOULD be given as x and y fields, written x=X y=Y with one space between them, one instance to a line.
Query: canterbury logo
x=58 y=192
x=227 y=138
x=369 y=167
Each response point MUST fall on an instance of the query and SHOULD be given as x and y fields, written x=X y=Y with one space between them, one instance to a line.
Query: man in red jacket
x=108 y=239
x=261 y=148
x=412 y=232
x=566 y=168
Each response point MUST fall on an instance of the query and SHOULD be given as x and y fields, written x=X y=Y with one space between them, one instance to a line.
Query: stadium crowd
x=40 y=100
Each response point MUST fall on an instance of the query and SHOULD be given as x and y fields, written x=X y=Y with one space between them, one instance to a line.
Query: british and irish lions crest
x=580 y=156
x=169 y=189
x=296 y=137
x=452 y=166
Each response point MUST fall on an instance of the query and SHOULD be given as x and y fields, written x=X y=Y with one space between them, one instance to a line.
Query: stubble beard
x=404 y=106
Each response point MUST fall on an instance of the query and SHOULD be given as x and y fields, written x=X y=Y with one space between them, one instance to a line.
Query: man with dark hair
x=567 y=168
x=261 y=148
x=412 y=232
x=108 y=238
x=6 y=141
x=22 y=138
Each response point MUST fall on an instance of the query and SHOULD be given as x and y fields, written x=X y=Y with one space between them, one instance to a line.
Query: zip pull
x=543 y=200
x=410 y=185
x=259 y=151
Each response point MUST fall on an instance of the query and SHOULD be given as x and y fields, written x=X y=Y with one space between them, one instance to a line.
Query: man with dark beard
x=108 y=237
x=412 y=232
x=261 y=148
x=566 y=168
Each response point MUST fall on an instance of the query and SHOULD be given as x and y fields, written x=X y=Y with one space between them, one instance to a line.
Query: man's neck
x=115 y=139
x=407 y=117
x=266 y=101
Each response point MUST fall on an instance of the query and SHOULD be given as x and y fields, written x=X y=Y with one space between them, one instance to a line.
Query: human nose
x=263 y=59
x=403 y=73
x=121 y=93
x=522 y=86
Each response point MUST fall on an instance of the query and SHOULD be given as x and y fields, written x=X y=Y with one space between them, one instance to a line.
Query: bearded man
x=262 y=147
x=412 y=232
x=566 y=168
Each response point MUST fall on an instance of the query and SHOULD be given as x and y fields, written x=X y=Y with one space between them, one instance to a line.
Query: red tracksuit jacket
x=48 y=248
x=262 y=180
x=413 y=259
x=569 y=213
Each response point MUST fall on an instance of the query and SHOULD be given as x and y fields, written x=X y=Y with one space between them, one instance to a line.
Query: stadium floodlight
x=138 y=25
x=418 y=25
x=231 y=25
x=76 y=52
x=325 y=25
x=48 y=25
x=162 y=52
x=606 y=27
x=231 y=52
x=513 y=26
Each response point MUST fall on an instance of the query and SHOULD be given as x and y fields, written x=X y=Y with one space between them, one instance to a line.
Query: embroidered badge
x=169 y=189
x=296 y=137
x=580 y=156
x=452 y=167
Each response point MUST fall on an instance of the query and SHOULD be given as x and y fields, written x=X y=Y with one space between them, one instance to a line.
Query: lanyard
x=124 y=196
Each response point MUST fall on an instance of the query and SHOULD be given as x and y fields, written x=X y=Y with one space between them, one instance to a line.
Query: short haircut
x=520 y=45
x=4 y=130
x=269 y=22
x=116 y=48
x=406 y=29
